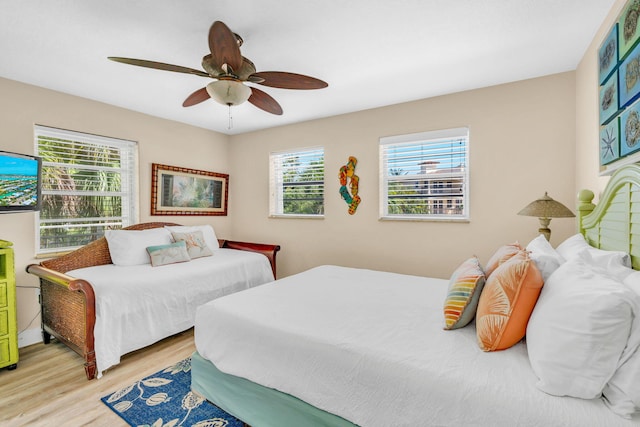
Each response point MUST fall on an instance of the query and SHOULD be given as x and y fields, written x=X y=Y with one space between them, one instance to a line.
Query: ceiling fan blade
x=196 y=97
x=159 y=66
x=265 y=102
x=283 y=80
x=224 y=46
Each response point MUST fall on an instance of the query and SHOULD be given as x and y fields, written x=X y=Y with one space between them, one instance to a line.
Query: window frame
x=129 y=184
x=276 y=184
x=425 y=139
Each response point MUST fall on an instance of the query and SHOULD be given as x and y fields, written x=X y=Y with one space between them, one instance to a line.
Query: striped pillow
x=465 y=286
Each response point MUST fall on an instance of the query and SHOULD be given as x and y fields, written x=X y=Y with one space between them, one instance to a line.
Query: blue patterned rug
x=165 y=399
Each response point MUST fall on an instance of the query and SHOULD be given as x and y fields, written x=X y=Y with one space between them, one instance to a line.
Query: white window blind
x=425 y=175
x=89 y=185
x=297 y=183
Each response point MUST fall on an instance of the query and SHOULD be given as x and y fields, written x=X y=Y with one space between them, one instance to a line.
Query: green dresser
x=8 y=318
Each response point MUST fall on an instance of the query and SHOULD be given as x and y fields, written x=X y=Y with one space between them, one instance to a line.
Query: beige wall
x=587 y=120
x=522 y=143
x=160 y=141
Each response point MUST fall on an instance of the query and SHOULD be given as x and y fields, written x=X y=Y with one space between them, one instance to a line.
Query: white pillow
x=574 y=244
x=129 y=247
x=578 y=330
x=207 y=232
x=622 y=392
x=546 y=258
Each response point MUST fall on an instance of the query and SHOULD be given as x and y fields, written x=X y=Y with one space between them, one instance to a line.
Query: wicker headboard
x=614 y=224
x=94 y=253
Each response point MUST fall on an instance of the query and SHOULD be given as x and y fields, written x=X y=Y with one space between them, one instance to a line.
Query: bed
x=103 y=302
x=337 y=346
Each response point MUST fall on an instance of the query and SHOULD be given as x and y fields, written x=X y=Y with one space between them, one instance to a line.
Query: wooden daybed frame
x=68 y=304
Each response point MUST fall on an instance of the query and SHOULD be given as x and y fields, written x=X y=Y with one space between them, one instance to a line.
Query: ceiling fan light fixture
x=228 y=92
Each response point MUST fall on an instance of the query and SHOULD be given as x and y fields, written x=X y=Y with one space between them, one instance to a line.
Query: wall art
x=184 y=191
x=610 y=142
x=349 y=183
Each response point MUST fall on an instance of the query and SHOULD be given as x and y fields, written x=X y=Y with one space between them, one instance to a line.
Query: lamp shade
x=546 y=207
x=228 y=92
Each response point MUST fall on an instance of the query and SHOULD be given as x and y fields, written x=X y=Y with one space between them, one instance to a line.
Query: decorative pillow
x=546 y=258
x=572 y=246
x=501 y=255
x=622 y=392
x=207 y=232
x=168 y=254
x=578 y=330
x=465 y=286
x=128 y=247
x=506 y=302
x=196 y=246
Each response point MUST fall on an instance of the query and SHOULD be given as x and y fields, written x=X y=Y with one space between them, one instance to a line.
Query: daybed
x=338 y=346
x=103 y=311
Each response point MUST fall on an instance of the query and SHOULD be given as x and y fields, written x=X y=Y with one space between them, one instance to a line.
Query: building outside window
x=425 y=176
x=89 y=185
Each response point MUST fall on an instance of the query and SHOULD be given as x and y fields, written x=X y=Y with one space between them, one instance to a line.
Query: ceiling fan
x=231 y=70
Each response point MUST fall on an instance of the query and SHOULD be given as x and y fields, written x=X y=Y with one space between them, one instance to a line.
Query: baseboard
x=29 y=337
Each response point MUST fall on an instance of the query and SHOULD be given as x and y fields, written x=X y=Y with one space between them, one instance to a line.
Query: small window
x=297 y=183
x=89 y=185
x=425 y=176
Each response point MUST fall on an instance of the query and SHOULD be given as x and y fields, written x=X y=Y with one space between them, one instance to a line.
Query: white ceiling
x=371 y=52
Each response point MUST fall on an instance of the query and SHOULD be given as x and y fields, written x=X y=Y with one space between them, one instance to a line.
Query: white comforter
x=139 y=305
x=370 y=346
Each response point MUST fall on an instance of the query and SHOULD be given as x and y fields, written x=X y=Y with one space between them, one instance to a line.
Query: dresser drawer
x=4 y=322
x=3 y=294
x=5 y=356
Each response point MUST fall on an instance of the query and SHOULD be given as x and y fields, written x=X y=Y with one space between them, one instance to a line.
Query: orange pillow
x=507 y=301
x=501 y=255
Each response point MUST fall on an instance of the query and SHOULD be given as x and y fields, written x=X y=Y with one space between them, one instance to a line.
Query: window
x=425 y=175
x=297 y=183
x=88 y=186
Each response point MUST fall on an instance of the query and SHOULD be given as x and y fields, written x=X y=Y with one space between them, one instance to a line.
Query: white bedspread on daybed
x=370 y=347
x=139 y=305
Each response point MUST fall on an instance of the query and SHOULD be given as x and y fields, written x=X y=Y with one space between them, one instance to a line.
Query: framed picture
x=183 y=191
x=610 y=142
x=630 y=130
x=609 y=99
x=628 y=28
x=629 y=75
x=608 y=55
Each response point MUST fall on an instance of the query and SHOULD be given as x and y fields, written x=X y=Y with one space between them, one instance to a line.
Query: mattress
x=139 y=305
x=370 y=347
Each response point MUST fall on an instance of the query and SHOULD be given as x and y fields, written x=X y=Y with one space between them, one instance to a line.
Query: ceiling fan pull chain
x=230 y=118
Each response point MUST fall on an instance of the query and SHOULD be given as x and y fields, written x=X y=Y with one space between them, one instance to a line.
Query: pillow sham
x=465 y=286
x=196 y=246
x=546 y=258
x=622 y=392
x=502 y=254
x=579 y=329
x=129 y=247
x=572 y=246
x=168 y=254
x=506 y=302
x=208 y=233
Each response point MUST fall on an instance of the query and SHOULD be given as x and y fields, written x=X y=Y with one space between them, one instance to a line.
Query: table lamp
x=546 y=208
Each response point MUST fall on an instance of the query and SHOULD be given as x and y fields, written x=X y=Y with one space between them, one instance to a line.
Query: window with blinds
x=89 y=185
x=297 y=183
x=425 y=175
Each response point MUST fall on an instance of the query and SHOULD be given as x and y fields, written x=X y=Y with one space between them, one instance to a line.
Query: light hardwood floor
x=49 y=387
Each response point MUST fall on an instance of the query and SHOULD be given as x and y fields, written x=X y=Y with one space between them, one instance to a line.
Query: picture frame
x=629 y=78
x=610 y=142
x=628 y=28
x=184 y=191
x=630 y=130
x=608 y=55
x=608 y=99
